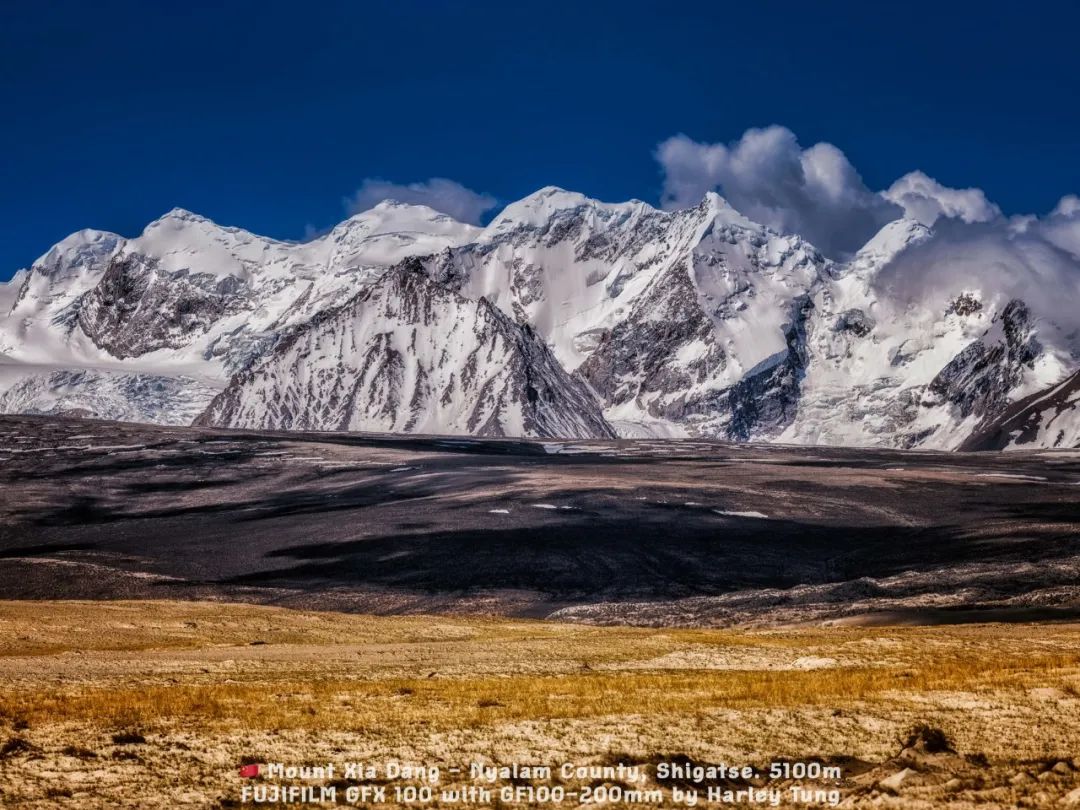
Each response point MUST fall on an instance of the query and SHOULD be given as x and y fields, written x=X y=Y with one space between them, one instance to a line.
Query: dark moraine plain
x=649 y=532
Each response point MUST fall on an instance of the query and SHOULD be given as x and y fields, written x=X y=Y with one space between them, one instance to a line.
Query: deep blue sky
x=267 y=114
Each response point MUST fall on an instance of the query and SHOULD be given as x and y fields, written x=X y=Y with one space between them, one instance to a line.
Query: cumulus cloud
x=1062 y=226
x=818 y=194
x=1025 y=257
x=445 y=196
x=924 y=199
x=769 y=177
x=1068 y=206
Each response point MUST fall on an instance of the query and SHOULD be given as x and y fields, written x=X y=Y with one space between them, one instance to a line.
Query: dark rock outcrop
x=765 y=400
x=136 y=309
x=978 y=380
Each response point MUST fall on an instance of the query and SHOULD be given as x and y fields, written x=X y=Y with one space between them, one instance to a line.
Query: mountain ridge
x=693 y=322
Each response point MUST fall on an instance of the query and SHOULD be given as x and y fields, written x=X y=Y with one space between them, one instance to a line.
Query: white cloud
x=1062 y=227
x=924 y=199
x=1068 y=206
x=818 y=194
x=311 y=232
x=770 y=178
x=1024 y=257
x=445 y=196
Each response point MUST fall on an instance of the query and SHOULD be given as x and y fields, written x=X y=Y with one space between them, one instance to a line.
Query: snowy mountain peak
x=393 y=217
x=537 y=208
x=554 y=197
x=390 y=204
x=886 y=245
x=715 y=206
x=540 y=207
x=182 y=220
x=179 y=214
x=77 y=250
x=891 y=239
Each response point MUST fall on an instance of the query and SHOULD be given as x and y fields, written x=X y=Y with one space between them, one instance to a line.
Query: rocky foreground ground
x=648 y=532
x=160 y=704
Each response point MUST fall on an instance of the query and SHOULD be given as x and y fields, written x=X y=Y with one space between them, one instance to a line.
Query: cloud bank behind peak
x=769 y=177
x=925 y=199
x=815 y=192
x=444 y=195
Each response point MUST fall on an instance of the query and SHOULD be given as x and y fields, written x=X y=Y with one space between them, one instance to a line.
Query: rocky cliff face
x=136 y=308
x=1047 y=418
x=765 y=401
x=636 y=362
x=979 y=379
x=409 y=355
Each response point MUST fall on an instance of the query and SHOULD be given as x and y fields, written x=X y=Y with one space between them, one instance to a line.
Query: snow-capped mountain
x=188 y=301
x=564 y=316
x=887 y=368
x=411 y=356
x=663 y=314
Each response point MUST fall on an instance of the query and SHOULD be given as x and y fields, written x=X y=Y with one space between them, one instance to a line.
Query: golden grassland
x=353 y=704
x=207 y=685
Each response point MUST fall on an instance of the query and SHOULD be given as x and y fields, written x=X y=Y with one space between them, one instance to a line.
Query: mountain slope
x=188 y=289
x=408 y=355
x=1049 y=418
x=696 y=322
x=701 y=322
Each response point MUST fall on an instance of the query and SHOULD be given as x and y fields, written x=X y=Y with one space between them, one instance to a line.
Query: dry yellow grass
x=574 y=681
x=221 y=680
x=464 y=702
